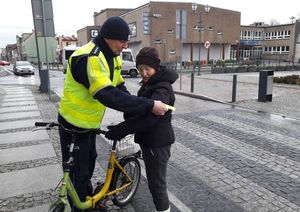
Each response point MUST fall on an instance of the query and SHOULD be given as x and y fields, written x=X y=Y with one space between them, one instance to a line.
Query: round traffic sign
x=207 y=44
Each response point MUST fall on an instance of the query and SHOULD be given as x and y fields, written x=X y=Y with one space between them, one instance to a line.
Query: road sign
x=43 y=18
x=207 y=44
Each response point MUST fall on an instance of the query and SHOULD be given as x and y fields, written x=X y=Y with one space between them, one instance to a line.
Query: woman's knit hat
x=148 y=56
x=115 y=28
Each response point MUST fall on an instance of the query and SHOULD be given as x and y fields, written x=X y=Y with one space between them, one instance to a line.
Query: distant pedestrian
x=154 y=134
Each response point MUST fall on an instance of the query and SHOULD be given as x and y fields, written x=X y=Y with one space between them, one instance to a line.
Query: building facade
x=170 y=27
x=175 y=26
x=29 y=49
x=100 y=17
x=86 y=34
x=89 y=32
x=63 y=41
x=272 y=43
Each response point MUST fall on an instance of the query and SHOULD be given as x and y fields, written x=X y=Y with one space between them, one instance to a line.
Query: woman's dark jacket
x=149 y=129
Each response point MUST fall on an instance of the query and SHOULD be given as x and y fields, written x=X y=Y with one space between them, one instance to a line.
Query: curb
x=207 y=98
x=203 y=97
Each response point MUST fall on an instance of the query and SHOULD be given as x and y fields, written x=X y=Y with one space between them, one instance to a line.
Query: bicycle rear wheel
x=133 y=169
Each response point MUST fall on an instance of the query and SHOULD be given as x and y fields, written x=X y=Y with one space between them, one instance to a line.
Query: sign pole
x=44 y=27
x=46 y=49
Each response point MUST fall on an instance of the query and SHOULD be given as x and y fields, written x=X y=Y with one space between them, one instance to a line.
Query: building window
x=146 y=23
x=181 y=24
x=172 y=52
x=170 y=31
x=278 y=49
x=132 y=27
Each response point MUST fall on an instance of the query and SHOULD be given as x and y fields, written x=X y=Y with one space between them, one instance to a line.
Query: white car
x=23 y=67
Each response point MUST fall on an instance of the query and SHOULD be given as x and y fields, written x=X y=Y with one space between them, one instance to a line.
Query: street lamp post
x=237 y=50
x=199 y=28
x=220 y=36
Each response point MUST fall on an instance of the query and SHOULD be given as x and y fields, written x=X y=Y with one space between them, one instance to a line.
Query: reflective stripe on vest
x=77 y=105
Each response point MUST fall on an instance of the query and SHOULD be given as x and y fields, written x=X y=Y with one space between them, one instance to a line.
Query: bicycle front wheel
x=58 y=207
x=133 y=169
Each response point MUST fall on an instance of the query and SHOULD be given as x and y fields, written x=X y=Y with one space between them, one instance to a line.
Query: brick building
x=265 y=42
x=168 y=26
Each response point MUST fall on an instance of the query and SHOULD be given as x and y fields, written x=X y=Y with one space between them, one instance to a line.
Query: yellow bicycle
x=121 y=181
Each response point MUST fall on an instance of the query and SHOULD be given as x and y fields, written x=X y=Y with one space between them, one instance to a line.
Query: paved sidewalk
x=286 y=98
x=29 y=168
x=30 y=161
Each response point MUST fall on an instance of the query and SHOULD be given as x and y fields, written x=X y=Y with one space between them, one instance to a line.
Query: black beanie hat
x=148 y=56
x=115 y=28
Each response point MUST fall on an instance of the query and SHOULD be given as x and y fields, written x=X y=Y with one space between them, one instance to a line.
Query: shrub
x=290 y=79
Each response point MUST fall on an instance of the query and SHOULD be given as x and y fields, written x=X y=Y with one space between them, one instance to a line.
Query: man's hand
x=159 y=108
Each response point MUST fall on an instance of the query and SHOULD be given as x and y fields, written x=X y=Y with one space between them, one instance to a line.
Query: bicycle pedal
x=101 y=208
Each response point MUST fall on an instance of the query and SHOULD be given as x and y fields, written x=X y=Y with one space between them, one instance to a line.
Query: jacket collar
x=108 y=53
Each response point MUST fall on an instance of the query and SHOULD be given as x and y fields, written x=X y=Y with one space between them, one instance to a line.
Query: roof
x=68 y=38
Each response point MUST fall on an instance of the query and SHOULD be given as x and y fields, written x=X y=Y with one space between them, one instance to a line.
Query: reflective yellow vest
x=77 y=104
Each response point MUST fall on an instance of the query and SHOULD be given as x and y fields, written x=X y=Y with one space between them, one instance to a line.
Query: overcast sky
x=71 y=15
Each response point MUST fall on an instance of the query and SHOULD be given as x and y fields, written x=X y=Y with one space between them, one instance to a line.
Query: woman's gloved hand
x=115 y=133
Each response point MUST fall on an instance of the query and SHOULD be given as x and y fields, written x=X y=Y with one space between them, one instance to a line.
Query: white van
x=128 y=67
x=66 y=53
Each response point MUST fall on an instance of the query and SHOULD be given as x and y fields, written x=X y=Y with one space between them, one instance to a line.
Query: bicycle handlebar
x=44 y=124
x=51 y=125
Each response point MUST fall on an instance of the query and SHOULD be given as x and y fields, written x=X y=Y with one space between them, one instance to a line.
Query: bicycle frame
x=68 y=188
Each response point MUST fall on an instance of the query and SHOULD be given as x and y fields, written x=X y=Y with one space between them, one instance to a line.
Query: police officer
x=94 y=82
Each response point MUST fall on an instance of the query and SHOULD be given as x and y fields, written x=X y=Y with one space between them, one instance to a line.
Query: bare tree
x=274 y=22
x=292 y=19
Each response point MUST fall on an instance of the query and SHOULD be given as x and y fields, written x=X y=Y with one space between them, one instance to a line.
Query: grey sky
x=71 y=15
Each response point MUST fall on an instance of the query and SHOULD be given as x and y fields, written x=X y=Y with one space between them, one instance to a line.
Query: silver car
x=23 y=67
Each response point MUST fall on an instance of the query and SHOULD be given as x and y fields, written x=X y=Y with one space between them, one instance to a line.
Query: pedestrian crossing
x=20 y=147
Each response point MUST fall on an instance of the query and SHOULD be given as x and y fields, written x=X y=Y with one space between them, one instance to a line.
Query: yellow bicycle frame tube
x=91 y=201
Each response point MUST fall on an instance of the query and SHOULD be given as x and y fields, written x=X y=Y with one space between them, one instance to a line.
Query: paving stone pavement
x=224 y=159
x=286 y=98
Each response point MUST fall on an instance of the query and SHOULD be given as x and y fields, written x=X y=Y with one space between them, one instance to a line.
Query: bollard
x=265 y=88
x=44 y=78
x=234 y=82
x=192 y=81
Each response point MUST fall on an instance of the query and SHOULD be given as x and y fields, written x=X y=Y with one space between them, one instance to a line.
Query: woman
x=154 y=134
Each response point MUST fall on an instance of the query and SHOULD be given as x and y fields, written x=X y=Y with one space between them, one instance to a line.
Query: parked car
x=23 y=67
x=4 y=63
